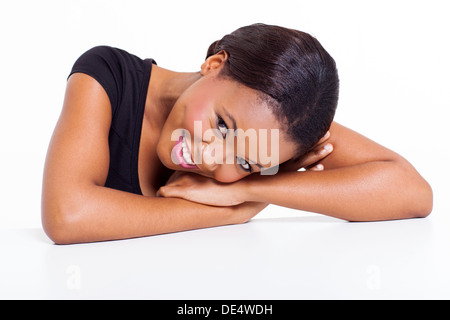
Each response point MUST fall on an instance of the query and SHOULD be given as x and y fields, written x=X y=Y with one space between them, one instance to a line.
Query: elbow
x=58 y=224
x=416 y=192
x=424 y=196
x=56 y=228
x=56 y=235
x=417 y=197
x=410 y=197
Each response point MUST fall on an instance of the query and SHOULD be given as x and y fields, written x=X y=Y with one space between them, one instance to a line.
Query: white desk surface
x=299 y=256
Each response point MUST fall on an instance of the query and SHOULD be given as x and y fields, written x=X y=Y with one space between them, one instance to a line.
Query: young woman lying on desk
x=140 y=150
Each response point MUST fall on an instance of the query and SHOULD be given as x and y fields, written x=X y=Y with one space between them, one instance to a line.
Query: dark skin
x=362 y=180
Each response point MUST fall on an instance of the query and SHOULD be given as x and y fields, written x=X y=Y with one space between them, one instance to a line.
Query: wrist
x=247 y=189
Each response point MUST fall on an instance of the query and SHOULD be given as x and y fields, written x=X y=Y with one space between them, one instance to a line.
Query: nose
x=209 y=161
x=214 y=154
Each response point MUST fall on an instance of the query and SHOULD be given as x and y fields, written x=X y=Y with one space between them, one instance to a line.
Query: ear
x=214 y=63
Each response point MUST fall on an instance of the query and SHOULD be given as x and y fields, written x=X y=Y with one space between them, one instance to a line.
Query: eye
x=222 y=126
x=244 y=164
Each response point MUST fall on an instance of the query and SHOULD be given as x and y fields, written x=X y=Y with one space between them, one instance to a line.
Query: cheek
x=199 y=103
x=198 y=115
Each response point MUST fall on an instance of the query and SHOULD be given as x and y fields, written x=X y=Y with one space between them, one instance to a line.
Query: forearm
x=379 y=190
x=99 y=213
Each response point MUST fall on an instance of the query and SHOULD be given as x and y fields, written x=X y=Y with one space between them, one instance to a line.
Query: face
x=221 y=129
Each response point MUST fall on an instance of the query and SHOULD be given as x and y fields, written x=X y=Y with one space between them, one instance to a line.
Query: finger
x=160 y=192
x=170 y=192
x=324 y=138
x=317 y=167
x=317 y=154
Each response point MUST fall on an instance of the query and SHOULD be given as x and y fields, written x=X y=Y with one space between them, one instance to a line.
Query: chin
x=227 y=179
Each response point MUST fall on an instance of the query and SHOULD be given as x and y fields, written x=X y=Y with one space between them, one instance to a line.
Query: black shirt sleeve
x=125 y=78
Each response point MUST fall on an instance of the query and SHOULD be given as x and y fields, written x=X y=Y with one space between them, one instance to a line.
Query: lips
x=182 y=155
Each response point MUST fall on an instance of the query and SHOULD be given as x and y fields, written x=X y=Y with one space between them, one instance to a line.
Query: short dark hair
x=294 y=72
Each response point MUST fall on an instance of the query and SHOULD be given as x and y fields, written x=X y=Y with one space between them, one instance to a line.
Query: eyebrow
x=230 y=117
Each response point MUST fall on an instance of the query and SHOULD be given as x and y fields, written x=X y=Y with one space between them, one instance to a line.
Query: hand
x=247 y=210
x=193 y=187
x=197 y=188
x=311 y=160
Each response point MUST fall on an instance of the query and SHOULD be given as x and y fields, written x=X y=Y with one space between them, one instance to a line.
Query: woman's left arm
x=362 y=181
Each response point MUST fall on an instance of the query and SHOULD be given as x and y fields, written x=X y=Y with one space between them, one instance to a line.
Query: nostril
x=198 y=152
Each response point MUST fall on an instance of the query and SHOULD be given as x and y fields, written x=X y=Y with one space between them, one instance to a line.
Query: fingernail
x=328 y=147
x=318 y=167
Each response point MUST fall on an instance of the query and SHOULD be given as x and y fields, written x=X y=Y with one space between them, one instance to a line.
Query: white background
x=394 y=66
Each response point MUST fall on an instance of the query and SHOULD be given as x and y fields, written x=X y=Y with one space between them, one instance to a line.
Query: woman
x=140 y=150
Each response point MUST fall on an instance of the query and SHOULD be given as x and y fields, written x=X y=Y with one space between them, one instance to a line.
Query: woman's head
x=294 y=73
x=258 y=78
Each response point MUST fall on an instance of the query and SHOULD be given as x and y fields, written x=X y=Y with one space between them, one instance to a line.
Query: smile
x=182 y=154
x=186 y=153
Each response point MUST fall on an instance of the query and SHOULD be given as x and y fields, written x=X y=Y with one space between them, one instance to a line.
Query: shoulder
x=99 y=51
x=100 y=61
x=103 y=62
x=109 y=67
x=109 y=56
x=103 y=52
x=119 y=72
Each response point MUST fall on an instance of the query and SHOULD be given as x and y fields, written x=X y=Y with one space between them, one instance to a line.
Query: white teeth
x=186 y=153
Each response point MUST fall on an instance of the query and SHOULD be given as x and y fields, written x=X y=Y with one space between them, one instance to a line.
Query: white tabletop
x=296 y=256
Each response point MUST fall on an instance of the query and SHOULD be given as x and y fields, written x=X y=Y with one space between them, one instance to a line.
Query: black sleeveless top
x=125 y=79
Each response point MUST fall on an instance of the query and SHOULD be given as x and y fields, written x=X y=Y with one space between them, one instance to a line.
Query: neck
x=166 y=87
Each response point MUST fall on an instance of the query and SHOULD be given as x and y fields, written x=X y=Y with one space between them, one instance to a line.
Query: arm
x=97 y=213
x=76 y=207
x=363 y=181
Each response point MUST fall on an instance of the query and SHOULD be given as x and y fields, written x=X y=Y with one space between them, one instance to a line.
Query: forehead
x=246 y=105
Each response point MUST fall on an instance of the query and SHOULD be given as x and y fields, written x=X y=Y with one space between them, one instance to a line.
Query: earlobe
x=214 y=62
